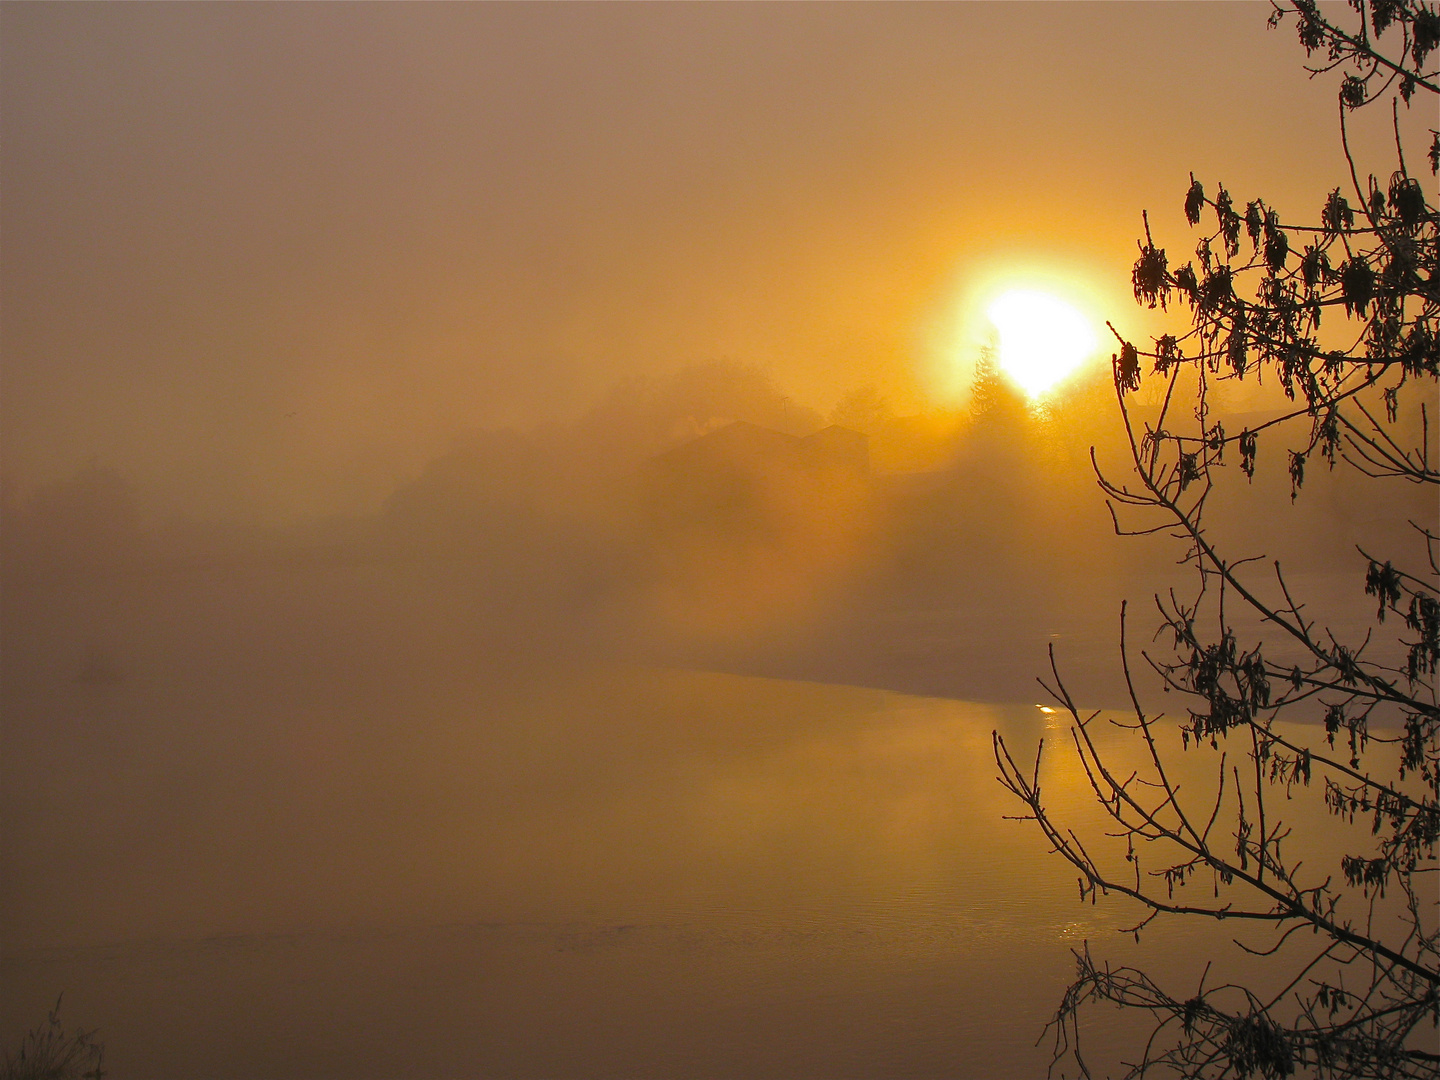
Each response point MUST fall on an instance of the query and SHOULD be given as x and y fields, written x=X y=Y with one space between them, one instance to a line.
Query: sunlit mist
x=1042 y=338
x=517 y=533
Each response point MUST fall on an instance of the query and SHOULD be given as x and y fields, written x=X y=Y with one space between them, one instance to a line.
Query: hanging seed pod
x=1189 y=470
x=1148 y=277
x=1237 y=353
x=1185 y=281
x=1167 y=353
x=1337 y=216
x=1407 y=199
x=1194 y=201
x=1215 y=442
x=1229 y=221
x=1310 y=27
x=1127 y=367
x=1357 y=285
x=1248 y=446
x=1383 y=582
x=1425 y=35
x=1217 y=289
x=1254 y=222
x=1277 y=245
x=1377 y=201
x=1382 y=14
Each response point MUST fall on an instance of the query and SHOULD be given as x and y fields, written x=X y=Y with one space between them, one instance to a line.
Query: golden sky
x=251 y=250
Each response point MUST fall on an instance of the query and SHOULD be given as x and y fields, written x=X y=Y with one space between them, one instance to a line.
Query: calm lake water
x=415 y=864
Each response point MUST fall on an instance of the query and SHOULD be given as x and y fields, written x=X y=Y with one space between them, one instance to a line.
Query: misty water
x=304 y=824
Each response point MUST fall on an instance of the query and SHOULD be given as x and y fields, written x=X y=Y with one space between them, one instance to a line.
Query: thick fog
x=517 y=699
x=507 y=526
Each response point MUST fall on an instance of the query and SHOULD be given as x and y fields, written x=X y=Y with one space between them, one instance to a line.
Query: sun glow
x=1042 y=338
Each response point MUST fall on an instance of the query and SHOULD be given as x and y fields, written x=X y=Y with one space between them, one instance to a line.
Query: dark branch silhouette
x=1364 y=1000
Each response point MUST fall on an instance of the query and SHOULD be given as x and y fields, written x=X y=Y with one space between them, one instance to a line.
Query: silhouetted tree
x=863 y=409
x=1361 y=997
x=994 y=400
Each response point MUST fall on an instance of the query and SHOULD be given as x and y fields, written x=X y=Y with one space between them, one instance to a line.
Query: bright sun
x=1042 y=338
